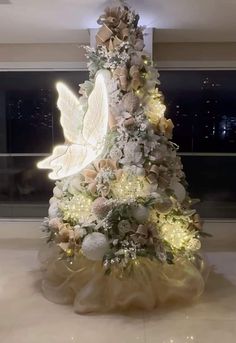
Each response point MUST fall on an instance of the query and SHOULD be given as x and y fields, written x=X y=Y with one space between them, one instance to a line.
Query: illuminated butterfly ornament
x=84 y=132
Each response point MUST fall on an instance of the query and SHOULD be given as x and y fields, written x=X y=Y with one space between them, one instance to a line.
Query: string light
x=155 y=109
x=130 y=187
x=69 y=252
x=77 y=209
x=178 y=236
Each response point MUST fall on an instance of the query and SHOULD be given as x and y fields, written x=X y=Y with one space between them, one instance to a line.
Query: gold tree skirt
x=143 y=285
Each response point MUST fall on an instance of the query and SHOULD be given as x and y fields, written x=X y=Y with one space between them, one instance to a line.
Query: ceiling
x=67 y=21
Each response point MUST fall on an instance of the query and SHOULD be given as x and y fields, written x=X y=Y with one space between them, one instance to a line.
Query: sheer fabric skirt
x=144 y=284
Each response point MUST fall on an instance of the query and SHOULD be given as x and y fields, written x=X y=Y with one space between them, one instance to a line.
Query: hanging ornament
x=140 y=213
x=94 y=246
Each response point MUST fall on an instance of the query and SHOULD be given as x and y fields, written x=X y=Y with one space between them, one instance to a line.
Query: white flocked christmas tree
x=121 y=230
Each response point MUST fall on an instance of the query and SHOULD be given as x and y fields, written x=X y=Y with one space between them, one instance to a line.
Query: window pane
x=28 y=113
x=211 y=179
x=23 y=187
x=202 y=105
x=29 y=124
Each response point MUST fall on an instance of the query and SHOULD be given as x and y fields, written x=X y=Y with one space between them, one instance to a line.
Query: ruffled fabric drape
x=143 y=285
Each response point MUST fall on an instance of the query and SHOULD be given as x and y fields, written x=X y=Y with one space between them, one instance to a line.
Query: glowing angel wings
x=84 y=132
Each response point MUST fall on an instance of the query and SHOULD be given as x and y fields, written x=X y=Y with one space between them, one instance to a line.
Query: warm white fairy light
x=178 y=236
x=129 y=187
x=175 y=235
x=77 y=209
x=155 y=109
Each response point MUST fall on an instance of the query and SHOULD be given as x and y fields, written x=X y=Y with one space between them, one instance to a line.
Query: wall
x=41 y=52
x=166 y=54
x=206 y=55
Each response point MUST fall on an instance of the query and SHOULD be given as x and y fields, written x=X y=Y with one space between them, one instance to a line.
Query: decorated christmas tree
x=121 y=230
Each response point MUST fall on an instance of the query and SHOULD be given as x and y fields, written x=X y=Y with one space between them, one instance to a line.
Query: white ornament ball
x=194 y=244
x=57 y=192
x=179 y=191
x=140 y=171
x=164 y=205
x=94 y=246
x=140 y=213
x=115 y=153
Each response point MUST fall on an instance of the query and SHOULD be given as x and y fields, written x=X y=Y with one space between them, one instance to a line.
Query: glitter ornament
x=140 y=213
x=194 y=244
x=164 y=205
x=130 y=102
x=94 y=246
x=100 y=207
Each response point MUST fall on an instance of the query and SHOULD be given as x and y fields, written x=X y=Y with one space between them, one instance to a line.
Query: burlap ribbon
x=145 y=234
x=128 y=79
x=159 y=175
x=114 y=29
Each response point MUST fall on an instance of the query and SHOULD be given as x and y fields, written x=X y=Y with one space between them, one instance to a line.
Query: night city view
x=202 y=105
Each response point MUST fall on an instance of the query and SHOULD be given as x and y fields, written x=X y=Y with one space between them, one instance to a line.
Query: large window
x=202 y=105
x=29 y=127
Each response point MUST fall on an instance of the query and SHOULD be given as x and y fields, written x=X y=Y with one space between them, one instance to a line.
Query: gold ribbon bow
x=90 y=175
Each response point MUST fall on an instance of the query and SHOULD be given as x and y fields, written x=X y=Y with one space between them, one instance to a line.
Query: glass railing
x=24 y=189
x=211 y=178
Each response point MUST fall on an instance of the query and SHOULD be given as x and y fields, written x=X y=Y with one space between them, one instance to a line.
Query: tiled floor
x=27 y=317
